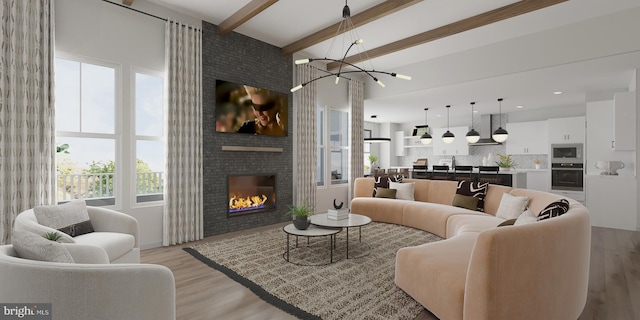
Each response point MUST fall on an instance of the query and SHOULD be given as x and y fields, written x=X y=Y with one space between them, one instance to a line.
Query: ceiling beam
x=127 y=2
x=376 y=12
x=483 y=19
x=245 y=13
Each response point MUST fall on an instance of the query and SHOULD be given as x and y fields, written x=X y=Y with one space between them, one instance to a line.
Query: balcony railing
x=101 y=185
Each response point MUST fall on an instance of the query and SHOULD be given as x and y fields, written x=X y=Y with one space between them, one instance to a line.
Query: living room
x=94 y=31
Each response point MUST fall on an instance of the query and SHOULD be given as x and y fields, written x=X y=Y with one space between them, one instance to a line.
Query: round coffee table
x=354 y=220
x=310 y=232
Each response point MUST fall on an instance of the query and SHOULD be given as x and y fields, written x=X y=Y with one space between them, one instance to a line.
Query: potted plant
x=505 y=162
x=537 y=163
x=300 y=214
x=53 y=236
x=372 y=160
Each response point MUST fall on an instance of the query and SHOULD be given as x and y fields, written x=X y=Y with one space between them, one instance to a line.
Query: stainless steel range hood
x=486 y=130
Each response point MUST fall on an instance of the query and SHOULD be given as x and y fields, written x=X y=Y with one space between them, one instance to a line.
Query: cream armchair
x=89 y=291
x=115 y=233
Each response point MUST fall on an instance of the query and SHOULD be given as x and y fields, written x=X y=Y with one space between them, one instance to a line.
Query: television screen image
x=246 y=109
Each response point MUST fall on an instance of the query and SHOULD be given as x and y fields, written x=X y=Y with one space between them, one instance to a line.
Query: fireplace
x=251 y=194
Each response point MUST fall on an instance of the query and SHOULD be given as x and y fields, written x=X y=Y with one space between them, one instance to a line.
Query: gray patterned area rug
x=354 y=288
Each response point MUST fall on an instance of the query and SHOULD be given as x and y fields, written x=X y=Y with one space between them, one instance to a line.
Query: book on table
x=338 y=214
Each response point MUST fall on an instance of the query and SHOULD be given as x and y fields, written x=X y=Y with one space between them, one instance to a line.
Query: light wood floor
x=204 y=293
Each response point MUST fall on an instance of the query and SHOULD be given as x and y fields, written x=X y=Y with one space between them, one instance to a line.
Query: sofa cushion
x=383 y=182
x=29 y=245
x=114 y=244
x=431 y=217
x=554 y=209
x=474 y=221
x=71 y=218
x=380 y=209
x=405 y=190
x=526 y=217
x=474 y=189
x=386 y=193
x=511 y=206
x=467 y=202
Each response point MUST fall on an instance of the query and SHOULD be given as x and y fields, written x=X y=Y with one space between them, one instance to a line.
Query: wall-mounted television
x=247 y=109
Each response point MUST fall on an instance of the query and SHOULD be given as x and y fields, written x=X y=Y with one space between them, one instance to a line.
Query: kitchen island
x=512 y=178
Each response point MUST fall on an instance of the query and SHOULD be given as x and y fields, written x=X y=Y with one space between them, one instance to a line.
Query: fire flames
x=250 y=202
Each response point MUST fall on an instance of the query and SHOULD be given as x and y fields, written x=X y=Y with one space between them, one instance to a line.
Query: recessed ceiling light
x=439 y=115
x=557 y=92
x=475 y=111
x=519 y=107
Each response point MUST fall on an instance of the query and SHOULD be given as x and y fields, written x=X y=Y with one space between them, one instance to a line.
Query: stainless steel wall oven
x=567 y=176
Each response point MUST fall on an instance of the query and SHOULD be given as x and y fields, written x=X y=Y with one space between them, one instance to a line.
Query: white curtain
x=27 y=123
x=305 y=137
x=356 y=98
x=183 y=187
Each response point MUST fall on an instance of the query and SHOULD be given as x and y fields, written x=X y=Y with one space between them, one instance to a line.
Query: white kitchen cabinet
x=398 y=143
x=528 y=138
x=611 y=201
x=460 y=146
x=539 y=180
x=624 y=122
x=414 y=142
x=566 y=130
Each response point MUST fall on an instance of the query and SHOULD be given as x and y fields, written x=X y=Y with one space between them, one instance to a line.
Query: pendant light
x=500 y=135
x=448 y=137
x=426 y=137
x=472 y=136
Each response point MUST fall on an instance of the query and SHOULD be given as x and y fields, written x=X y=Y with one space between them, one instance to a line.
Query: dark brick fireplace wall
x=241 y=59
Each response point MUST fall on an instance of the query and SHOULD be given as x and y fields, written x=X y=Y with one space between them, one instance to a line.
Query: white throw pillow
x=526 y=217
x=404 y=190
x=511 y=206
x=29 y=245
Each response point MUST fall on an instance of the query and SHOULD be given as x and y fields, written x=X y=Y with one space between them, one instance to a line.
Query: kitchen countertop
x=511 y=172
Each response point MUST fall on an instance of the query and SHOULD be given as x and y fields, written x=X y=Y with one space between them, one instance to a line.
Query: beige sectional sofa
x=538 y=270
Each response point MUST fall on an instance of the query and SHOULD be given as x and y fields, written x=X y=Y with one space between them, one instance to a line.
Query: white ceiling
x=289 y=20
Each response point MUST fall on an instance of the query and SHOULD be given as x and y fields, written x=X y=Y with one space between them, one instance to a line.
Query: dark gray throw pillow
x=463 y=201
x=509 y=222
x=71 y=218
x=386 y=193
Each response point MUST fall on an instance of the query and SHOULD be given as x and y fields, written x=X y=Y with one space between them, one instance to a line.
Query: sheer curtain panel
x=356 y=98
x=27 y=124
x=305 y=137
x=183 y=189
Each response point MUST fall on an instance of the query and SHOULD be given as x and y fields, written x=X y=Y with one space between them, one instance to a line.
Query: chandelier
x=346 y=27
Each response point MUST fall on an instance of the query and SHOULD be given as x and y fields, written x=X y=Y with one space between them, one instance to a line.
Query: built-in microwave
x=567 y=153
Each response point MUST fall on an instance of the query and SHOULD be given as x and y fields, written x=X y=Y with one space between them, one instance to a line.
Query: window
x=321 y=146
x=333 y=146
x=86 y=104
x=149 y=137
x=339 y=146
x=92 y=127
x=367 y=152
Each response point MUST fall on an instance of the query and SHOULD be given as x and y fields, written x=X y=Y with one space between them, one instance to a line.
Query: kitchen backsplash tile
x=476 y=154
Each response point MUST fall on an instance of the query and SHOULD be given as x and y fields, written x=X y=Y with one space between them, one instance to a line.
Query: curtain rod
x=148 y=14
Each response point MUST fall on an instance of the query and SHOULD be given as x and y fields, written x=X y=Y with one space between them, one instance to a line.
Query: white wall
x=99 y=30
